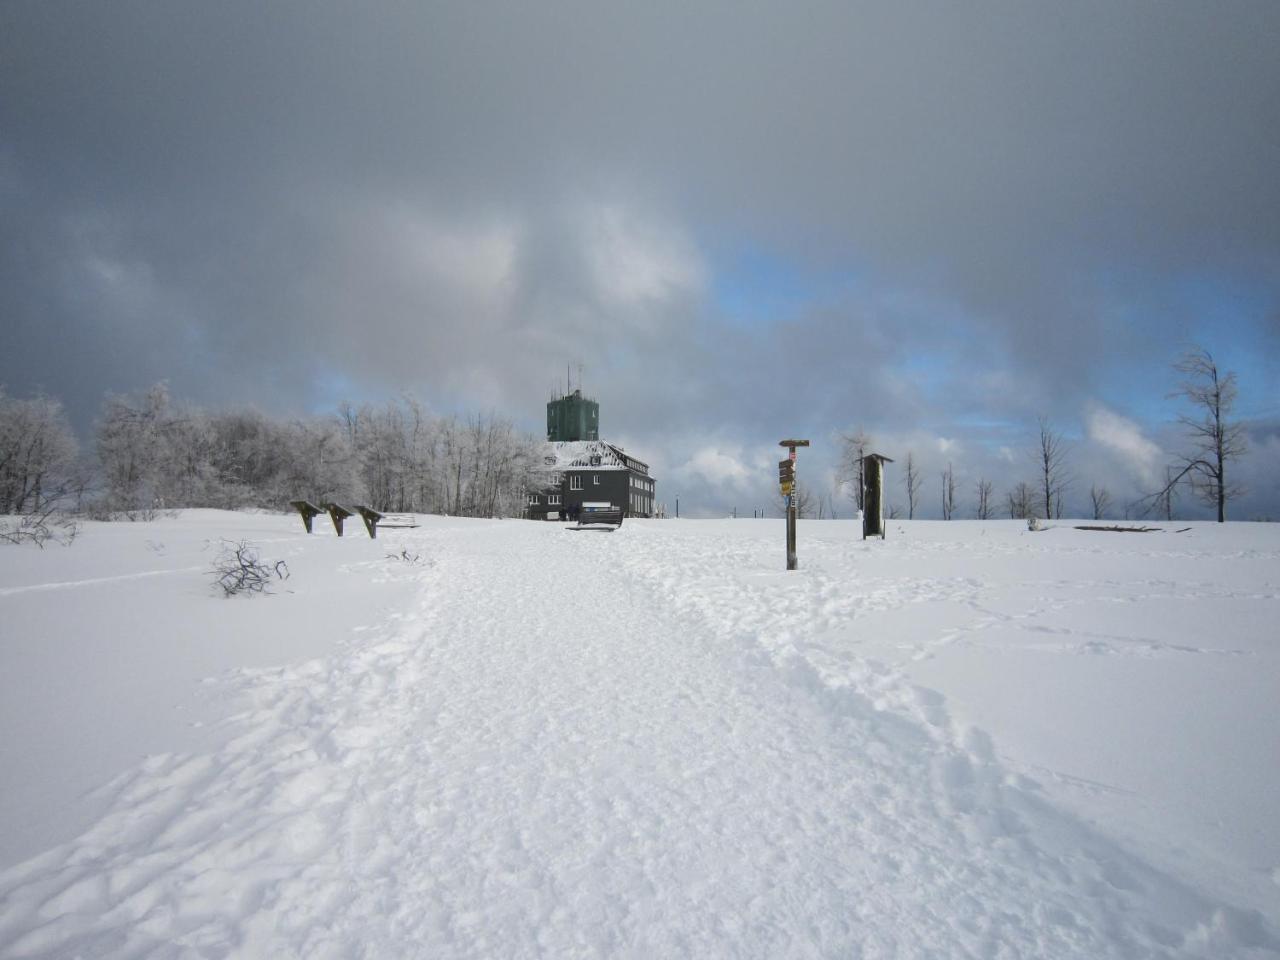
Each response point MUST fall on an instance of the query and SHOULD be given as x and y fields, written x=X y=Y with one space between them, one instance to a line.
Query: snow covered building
x=581 y=468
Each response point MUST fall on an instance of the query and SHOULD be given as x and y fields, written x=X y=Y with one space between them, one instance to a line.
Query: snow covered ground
x=966 y=741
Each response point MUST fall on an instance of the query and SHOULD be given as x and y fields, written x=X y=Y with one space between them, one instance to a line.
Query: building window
x=533 y=499
x=595 y=479
x=595 y=460
x=575 y=482
x=553 y=499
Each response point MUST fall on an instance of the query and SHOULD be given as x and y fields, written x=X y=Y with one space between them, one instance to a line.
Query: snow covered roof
x=583 y=454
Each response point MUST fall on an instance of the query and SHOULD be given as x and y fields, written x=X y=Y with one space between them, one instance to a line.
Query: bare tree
x=1022 y=502
x=1101 y=500
x=912 y=480
x=1165 y=499
x=948 y=492
x=984 y=499
x=827 y=505
x=854 y=448
x=1215 y=439
x=1051 y=462
x=805 y=502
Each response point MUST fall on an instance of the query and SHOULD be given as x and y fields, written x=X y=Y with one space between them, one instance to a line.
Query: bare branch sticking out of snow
x=38 y=529
x=239 y=570
x=410 y=558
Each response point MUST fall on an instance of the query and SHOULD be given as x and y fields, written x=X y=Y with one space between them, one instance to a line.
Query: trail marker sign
x=787 y=480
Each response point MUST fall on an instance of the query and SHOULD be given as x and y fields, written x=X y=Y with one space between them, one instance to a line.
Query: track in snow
x=568 y=750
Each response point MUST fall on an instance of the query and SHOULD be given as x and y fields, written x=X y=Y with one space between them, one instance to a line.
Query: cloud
x=965 y=218
x=1125 y=439
x=477 y=259
x=635 y=261
x=719 y=467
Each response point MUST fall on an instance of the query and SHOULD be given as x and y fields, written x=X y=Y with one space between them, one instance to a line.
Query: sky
x=935 y=222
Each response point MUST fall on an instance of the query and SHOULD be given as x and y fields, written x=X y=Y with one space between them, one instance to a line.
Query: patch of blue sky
x=1232 y=323
x=755 y=288
x=926 y=371
x=1227 y=317
x=986 y=423
x=330 y=388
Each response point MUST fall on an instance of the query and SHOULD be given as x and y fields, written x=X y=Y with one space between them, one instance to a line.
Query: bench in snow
x=599 y=516
x=374 y=518
x=337 y=513
x=308 y=510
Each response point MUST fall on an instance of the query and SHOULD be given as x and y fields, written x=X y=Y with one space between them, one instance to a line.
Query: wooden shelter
x=873 y=495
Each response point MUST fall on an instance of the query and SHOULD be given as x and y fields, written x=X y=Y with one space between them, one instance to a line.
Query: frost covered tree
x=154 y=453
x=407 y=460
x=320 y=464
x=250 y=452
x=853 y=449
x=129 y=448
x=37 y=454
x=1215 y=440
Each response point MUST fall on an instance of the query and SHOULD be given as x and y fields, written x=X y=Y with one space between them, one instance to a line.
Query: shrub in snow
x=103 y=511
x=38 y=529
x=238 y=569
x=406 y=556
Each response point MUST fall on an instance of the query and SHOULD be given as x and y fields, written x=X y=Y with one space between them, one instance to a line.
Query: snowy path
x=643 y=766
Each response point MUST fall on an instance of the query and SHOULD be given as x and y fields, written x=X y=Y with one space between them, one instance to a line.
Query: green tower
x=573 y=417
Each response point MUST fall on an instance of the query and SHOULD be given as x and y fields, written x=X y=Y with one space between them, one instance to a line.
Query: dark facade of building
x=591 y=471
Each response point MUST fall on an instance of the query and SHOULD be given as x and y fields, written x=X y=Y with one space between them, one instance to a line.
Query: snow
x=969 y=740
x=579 y=454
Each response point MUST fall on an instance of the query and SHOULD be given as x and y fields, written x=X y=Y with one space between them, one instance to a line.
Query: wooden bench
x=308 y=510
x=337 y=513
x=399 y=520
x=375 y=518
x=599 y=515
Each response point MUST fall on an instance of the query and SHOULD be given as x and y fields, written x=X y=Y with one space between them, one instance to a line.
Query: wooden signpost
x=787 y=480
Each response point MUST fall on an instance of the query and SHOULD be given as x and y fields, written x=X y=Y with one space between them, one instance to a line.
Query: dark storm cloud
x=280 y=202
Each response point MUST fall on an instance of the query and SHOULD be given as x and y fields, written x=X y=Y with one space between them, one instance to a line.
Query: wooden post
x=308 y=510
x=370 y=517
x=792 y=560
x=787 y=478
x=337 y=514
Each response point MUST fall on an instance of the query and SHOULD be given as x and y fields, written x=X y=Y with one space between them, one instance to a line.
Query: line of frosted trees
x=149 y=453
